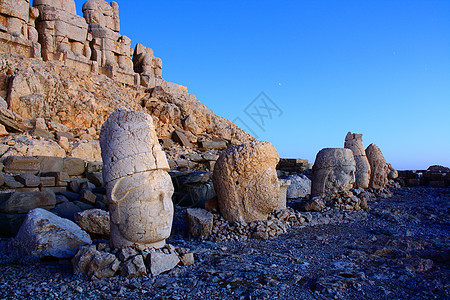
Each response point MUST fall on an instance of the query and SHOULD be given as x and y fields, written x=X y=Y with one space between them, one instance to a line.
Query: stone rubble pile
x=100 y=261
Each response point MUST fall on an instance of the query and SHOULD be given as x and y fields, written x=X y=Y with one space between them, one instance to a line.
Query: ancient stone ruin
x=353 y=141
x=138 y=187
x=378 y=166
x=246 y=182
x=333 y=172
x=53 y=31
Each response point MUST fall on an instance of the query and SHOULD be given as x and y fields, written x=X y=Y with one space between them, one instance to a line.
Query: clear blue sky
x=381 y=68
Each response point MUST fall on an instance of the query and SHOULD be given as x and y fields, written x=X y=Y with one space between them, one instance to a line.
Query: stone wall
x=53 y=31
x=435 y=176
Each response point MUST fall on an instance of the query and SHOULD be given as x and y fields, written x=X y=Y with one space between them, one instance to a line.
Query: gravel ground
x=398 y=249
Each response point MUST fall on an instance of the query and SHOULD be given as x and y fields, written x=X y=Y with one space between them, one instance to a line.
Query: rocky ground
x=398 y=249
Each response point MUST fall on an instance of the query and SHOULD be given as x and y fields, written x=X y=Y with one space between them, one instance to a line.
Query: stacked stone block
x=64 y=186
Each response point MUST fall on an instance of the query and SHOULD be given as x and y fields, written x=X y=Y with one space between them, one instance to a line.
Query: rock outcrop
x=246 y=181
x=138 y=187
x=333 y=172
x=353 y=141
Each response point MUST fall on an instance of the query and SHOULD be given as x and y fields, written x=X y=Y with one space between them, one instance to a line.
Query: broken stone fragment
x=94 y=221
x=158 y=262
x=199 y=222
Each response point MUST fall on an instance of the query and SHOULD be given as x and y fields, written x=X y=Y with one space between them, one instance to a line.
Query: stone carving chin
x=141 y=202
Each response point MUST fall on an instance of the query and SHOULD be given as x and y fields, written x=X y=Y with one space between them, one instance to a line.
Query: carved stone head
x=138 y=187
x=333 y=172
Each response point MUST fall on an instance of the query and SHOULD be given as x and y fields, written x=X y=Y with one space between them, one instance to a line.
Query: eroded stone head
x=138 y=187
x=333 y=172
x=353 y=141
x=246 y=182
x=379 y=168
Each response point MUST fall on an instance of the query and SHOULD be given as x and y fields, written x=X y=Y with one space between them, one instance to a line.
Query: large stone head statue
x=379 y=169
x=353 y=141
x=138 y=187
x=102 y=13
x=333 y=172
x=246 y=182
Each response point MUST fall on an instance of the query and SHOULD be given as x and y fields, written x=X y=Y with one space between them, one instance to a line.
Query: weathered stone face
x=246 y=181
x=353 y=141
x=138 y=186
x=141 y=208
x=379 y=168
x=333 y=172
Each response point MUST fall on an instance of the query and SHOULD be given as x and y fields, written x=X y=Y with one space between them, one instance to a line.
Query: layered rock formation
x=246 y=181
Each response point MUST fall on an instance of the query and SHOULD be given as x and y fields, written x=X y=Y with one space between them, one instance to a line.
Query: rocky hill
x=71 y=72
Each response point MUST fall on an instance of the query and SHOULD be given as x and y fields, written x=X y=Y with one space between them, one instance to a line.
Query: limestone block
x=28 y=180
x=353 y=141
x=199 y=222
x=160 y=262
x=379 y=168
x=15 y=8
x=74 y=166
x=333 y=172
x=93 y=221
x=65 y=5
x=21 y=165
x=284 y=184
x=246 y=183
x=138 y=187
x=86 y=150
x=50 y=163
x=44 y=234
x=23 y=202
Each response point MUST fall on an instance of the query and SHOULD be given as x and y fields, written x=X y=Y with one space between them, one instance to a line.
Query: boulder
x=353 y=141
x=199 y=222
x=86 y=150
x=246 y=182
x=94 y=221
x=333 y=172
x=158 y=262
x=44 y=234
x=300 y=186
